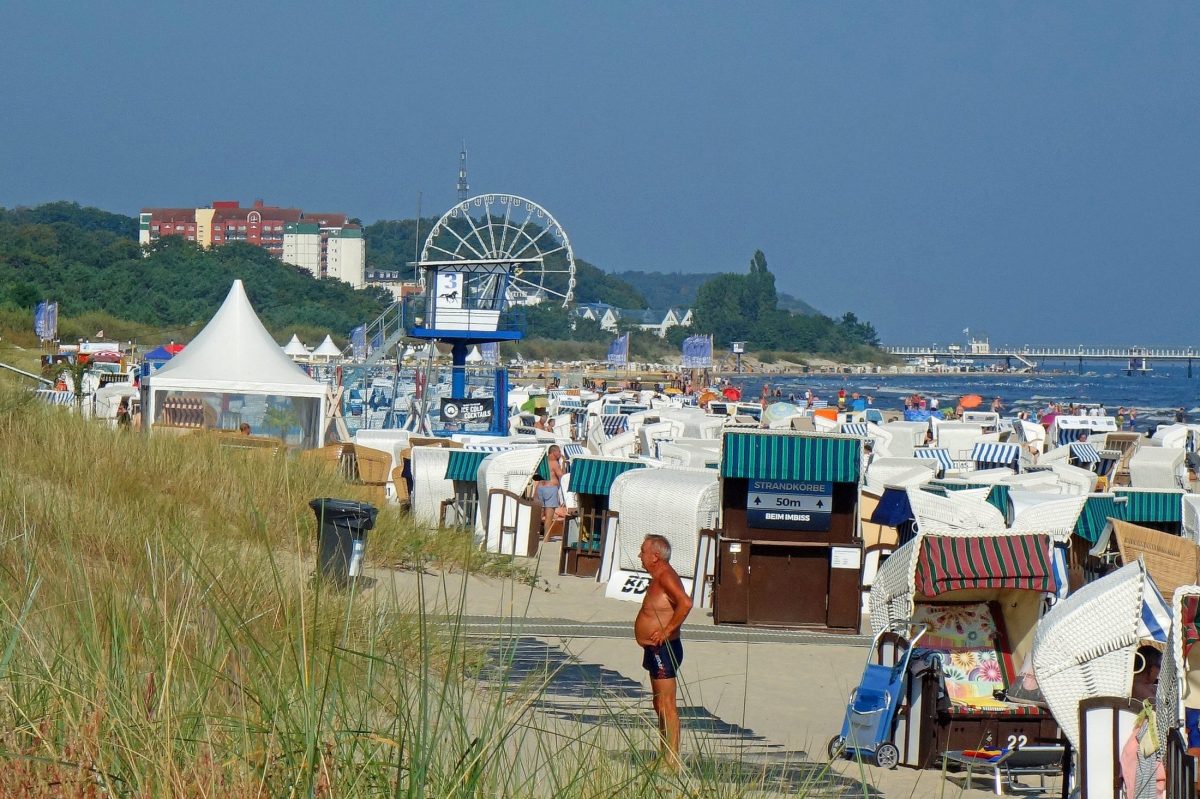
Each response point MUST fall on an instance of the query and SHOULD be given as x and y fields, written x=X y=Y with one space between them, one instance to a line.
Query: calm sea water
x=1155 y=394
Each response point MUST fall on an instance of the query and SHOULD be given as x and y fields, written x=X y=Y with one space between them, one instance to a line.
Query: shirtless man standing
x=547 y=490
x=656 y=629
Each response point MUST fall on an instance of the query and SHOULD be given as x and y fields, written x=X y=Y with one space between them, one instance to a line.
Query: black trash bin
x=342 y=528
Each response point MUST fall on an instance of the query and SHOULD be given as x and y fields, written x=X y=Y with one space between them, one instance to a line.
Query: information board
x=789 y=505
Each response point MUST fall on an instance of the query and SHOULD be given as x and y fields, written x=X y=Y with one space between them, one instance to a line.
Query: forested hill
x=90 y=262
x=678 y=290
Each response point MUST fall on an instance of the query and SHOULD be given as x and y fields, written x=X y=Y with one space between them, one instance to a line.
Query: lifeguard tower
x=482 y=261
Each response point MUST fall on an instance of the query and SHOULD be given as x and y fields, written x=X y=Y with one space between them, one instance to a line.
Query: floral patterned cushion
x=955 y=627
x=966 y=636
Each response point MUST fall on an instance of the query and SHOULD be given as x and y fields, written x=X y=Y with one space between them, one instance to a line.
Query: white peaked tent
x=234 y=372
x=473 y=356
x=327 y=349
x=295 y=348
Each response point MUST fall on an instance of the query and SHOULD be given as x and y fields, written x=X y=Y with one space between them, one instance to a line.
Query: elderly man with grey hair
x=656 y=629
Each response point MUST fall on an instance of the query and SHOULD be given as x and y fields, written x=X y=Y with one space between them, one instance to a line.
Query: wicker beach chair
x=676 y=503
x=1057 y=518
x=430 y=486
x=1127 y=444
x=1084 y=646
x=1177 y=686
x=1171 y=561
x=985 y=589
x=933 y=513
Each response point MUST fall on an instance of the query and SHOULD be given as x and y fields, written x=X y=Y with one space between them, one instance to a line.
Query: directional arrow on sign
x=757 y=500
x=820 y=503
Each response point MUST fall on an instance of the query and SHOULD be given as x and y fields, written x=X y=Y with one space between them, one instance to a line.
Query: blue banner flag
x=618 y=353
x=490 y=350
x=358 y=340
x=45 y=320
x=697 y=352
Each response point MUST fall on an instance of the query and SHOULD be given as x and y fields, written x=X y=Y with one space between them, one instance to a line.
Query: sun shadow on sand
x=591 y=695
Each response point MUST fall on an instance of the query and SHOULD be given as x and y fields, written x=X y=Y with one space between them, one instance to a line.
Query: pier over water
x=1137 y=359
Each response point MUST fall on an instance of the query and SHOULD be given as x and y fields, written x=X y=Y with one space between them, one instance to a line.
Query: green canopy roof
x=1095 y=515
x=782 y=456
x=1152 y=506
x=464 y=464
x=595 y=476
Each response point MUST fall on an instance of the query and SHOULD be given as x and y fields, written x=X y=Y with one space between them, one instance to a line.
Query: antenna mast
x=464 y=188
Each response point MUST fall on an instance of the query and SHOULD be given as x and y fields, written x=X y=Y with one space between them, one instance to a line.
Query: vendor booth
x=980 y=594
x=233 y=372
x=789 y=545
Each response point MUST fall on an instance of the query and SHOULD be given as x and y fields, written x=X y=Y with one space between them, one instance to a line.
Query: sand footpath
x=770 y=697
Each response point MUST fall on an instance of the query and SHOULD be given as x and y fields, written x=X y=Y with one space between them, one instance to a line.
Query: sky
x=1022 y=169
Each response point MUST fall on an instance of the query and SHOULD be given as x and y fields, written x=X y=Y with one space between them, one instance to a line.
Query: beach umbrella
x=778 y=411
x=706 y=397
x=732 y=394
x=970 y=401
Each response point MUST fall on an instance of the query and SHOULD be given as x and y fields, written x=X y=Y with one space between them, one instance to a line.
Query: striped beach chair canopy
x=992 y=454
x=614 y=423
x=1085 y=453
x=939 y=454
x=820 y=404
x=52 y=397
x=1149 y=505
x=463 y=464
x=573 y=451
x=788 y=456
x=956 y=563
x=595 y=476
x=855 y=428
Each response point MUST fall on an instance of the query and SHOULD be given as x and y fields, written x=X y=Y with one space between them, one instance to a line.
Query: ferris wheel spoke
x=465 y=243
x=531 y=243
x=559 y=248
x=475 y=233
x=519 y=232
x=491 y=229
x=537 y=288
x=451 y=253
x=504 y=227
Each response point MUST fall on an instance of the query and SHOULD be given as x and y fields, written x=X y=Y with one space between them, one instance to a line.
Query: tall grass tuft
x=161 y=634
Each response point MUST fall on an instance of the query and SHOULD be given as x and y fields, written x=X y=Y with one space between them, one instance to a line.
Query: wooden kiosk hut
x=789 y=550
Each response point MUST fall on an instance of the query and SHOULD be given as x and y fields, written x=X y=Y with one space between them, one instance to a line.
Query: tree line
x=89 y=261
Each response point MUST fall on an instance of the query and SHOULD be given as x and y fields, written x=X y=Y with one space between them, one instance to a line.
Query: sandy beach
x=766 y=698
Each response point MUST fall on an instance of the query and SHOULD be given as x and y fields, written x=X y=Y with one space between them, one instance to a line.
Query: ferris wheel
x=504 y=227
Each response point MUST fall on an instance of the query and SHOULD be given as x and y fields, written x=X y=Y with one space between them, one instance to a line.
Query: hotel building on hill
x=327 y=245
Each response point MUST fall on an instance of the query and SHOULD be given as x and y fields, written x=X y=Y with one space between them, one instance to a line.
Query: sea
x=1157 y=394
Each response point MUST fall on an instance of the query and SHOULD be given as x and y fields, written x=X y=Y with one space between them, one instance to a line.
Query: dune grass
x=161 y=635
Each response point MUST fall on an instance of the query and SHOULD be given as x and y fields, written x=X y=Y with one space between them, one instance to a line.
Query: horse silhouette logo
x=450 y=296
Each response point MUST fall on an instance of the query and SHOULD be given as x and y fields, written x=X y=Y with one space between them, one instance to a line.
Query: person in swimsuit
x=656 y=629
x=547 y=490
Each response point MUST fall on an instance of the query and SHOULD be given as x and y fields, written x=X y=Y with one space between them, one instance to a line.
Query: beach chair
x=980 y=592
x=1127 y=445
x=1178 y=695
x=1171 y=561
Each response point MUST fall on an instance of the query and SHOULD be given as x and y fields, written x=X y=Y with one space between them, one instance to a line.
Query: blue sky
x=1025 y=169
